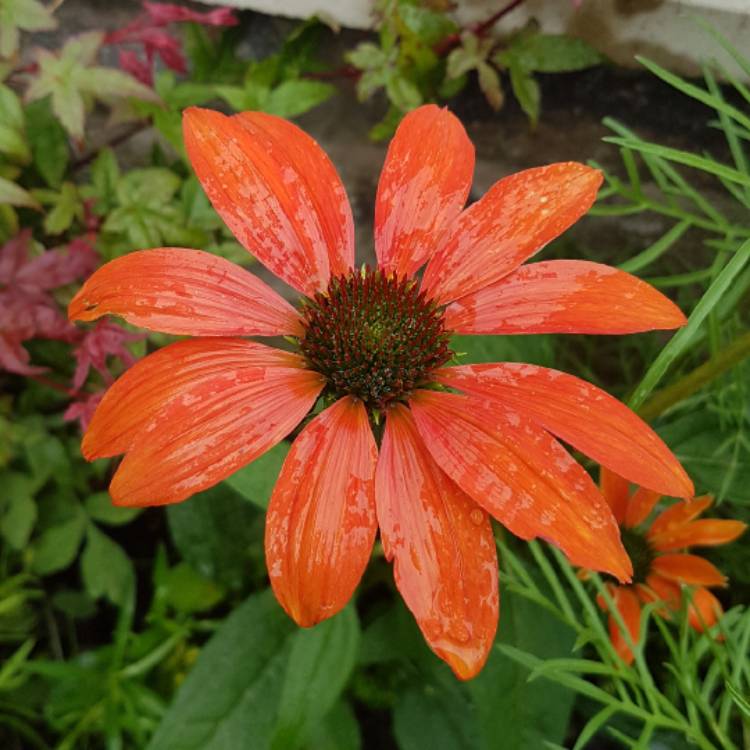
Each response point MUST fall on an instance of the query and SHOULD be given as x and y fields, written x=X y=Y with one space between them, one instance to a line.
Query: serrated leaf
x=72 y=81
x=105 y=174
x=255 y=481
x=293 y=98
x=428 y=26
x=48 y=141
x=65 y=208
x=12 y=141
x=24 y=15
x=367 y=56
x=106 y=569
x=552 y=53
x=402 y=93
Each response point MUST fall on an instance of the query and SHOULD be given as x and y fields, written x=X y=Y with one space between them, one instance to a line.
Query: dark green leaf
x=99 y=507
x=536 y=350
x=256 y=481
x=106 y=569
x=430 y=27
x=230 y=698
x=526 y=90
x=339 y=730
x=320 y=664
x=19 y=509
x=105 y=174
x=188 y=591
x=57 y=547
x=213 y=531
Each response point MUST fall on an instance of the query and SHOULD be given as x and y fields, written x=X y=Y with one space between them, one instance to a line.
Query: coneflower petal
x=321 y=522
x=580 y=414
x=442 y=547
x=516 y=218
x=522 y=476
x=424 y=185
x=707 y=532
x=184 y=292
x=689 y=569
x=564 y=296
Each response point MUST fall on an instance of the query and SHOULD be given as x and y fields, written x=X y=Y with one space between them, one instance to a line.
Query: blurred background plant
x=128 y=629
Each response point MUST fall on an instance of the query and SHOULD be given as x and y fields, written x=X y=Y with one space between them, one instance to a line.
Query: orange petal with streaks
x=184 y=292
x=523 y=477
x=194 y=412
x=708 y=532
x=665 y=591
x=640 y=506
x=442 y=547
x=629 y=608
x=704 y=609
x=679 y=513
x=424 y=185
x=321 y=520
x=689 y=569
x=616 y=491
x=517 y=217
x=580 y=414
x=564 y=296
x=276 y=190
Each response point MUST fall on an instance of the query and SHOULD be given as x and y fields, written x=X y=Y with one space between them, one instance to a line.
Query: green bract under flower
x=373 y=336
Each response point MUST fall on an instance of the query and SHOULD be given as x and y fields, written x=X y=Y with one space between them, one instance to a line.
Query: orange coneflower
x=661 y=563
x=371 y=346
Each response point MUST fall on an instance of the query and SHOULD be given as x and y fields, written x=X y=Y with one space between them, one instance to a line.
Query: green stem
x=701 y=376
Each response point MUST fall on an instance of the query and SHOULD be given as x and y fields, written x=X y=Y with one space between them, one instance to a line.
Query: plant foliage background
x=155 y=629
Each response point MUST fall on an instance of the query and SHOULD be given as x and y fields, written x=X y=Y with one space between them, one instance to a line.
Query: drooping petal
x=629 y=608
x=276 y=190
x=442 y=547
x=580 y=414
x=640 y=506
x=664 y=590
x=689 y=569
x=522 y=476
x=707 y=532
x=194 y=412
x=424 y=185
x=517 y=217
x=616 y=491
x=321 y=521
x=678 y=514
x=184 y=292
x=564 y=296
x=704 y=609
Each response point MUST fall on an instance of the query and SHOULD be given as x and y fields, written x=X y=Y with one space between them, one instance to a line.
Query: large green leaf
x=106 y=569
x=213 y=532
x=255 y=481
x=48 y=141
x=260 y=682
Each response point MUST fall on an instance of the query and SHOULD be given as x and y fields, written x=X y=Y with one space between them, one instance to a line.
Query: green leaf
x=292 y=98
x=540 y=709
x=402 y=92
x=19 y=509
x=12 y=142
x=536 y=349
x=48 y=141
x=73 y=81
x=320 y=664
x=66 y=207
x=57 y=547
x=367 y=56
x=106 y=569
x=489 y=82
x=214 y=532
x=230 y=698
x=25 y=15
x=430 y=27
x=15 y=195
x=715 y=455
x=100 y=508
x=339 y=730
x=256 y=481
x=188 y=591
x=551 y=53
x=526 y=90
x=105 y=176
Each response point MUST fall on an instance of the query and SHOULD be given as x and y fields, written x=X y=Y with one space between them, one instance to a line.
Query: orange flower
x=660 y=563
x=372 y=344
